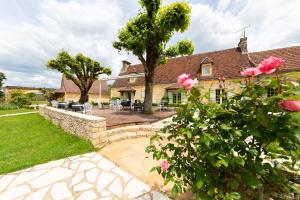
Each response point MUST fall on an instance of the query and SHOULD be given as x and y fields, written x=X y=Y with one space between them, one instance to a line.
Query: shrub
x=8 y=107
x=245 y=148
x=18 y=98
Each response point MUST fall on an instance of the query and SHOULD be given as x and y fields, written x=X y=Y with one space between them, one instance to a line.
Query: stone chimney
x=242 y=46
x=125 y=65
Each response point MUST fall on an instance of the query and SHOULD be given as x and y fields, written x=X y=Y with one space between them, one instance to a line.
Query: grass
x=27 y=140
x=4 y=112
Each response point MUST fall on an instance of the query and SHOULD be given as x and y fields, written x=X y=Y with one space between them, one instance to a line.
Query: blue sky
x=33 y=31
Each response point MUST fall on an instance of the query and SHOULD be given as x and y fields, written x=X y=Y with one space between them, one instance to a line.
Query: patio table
x=62 y=105
x=77 y=107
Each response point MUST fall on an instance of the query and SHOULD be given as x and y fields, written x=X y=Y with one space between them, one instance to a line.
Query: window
x=176 y=98
x=206 y=69
x=271 y=92
x=132 y=80
x=220 y=96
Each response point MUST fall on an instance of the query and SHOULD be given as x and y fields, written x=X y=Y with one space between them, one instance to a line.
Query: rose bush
x=246 y=148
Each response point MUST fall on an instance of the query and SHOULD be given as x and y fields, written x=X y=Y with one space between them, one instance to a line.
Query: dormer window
x=206 y=69
x=132 y=80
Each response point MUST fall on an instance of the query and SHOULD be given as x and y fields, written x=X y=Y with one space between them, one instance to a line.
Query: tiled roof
x=291 y=56
x=70 y=87
x=228 y=63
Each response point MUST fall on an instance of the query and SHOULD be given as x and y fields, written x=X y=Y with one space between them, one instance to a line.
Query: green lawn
x=28 y=140
x=3 y=112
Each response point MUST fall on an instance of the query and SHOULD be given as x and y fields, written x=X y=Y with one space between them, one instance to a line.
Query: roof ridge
x=280 y=48
x=196 y=54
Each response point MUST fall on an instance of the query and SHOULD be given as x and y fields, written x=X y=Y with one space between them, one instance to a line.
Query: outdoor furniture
x=87 y=108
x=126 y=104
x=77 y=107
x=138 y=106
x=54 y=104
x=163 y=105
x=62 y=105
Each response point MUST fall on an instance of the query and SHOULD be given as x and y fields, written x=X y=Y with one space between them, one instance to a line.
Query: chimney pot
x=125 y=65
x=242 y=46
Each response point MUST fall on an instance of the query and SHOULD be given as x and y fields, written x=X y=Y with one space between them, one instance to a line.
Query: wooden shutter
x=212 y=95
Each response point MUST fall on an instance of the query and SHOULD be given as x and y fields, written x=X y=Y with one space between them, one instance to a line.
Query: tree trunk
x=148 y=92
x=84 y=97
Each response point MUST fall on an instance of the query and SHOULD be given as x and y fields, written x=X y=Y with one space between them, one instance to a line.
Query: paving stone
x=87 y=195
x=74 y=165
x=82 y=186
x=38 y=194
x=97 y=158
x=104 y=180
x=49 y=165
x=116 y=187
x=159 y=196
x=106 y=165
x=5 y=181
x=27 y=176
x=92 y=175
x=136 y=188
x=77 y=178
x=60 y=191
x=86 y=166
x=52 y=176
x=124 y=175
x=15 y=192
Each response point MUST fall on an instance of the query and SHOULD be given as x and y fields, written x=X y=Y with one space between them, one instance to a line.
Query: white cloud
x=76 y=26
x=91 y=26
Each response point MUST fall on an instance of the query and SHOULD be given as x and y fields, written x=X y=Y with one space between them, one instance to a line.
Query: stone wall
x=85 y=126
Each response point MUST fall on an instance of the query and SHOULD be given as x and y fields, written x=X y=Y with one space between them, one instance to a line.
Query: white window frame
x=204 y=66
x=132 y=80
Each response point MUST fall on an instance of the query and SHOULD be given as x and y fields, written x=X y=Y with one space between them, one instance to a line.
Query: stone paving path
x=87 y=176
x=15 y=114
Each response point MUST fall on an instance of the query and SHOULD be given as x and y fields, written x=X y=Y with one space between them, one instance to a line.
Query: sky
x=34 y=31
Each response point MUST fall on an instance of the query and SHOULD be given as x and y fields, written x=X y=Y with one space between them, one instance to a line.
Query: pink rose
x=269 y=65
x=252 y=71
x=182 y=78
x=165 y=165
x=189 y=83
x=291 y=105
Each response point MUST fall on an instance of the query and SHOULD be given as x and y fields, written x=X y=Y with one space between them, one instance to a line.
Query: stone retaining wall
x=94 y=128
x=85 y=126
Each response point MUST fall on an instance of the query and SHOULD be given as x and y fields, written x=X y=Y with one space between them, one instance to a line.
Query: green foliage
x=82 y=70
x=19 y=99
x=2 y=78
x=147 y=34
x=49 y=95
x=8 y=107
x=245 y=148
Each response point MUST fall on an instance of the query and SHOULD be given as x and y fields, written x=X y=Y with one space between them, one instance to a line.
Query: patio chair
x=54 y=104
x=112 y=104
x=118 y=106
x=163 y=105
x=87 y=108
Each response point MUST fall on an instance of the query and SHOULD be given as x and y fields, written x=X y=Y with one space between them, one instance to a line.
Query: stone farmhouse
x=9 y=89
x=70 y=92
x=209 y=68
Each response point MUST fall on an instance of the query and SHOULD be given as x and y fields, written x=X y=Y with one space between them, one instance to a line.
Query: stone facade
x=85 y=126
x=159 y=90
x=92 y=97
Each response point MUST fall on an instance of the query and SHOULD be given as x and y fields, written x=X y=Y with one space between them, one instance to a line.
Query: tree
x=82 y=70
x=147 y=34
x=2 y=78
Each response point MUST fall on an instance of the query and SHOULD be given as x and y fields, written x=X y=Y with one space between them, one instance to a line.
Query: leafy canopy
x=82 y=70
x=245 y=148
x=149 y=32
x=2 y=78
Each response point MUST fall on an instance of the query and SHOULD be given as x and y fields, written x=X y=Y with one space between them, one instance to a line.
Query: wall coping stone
x=77 y=115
